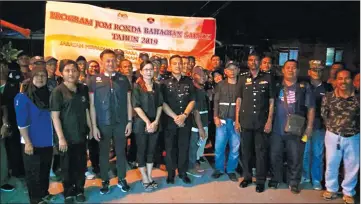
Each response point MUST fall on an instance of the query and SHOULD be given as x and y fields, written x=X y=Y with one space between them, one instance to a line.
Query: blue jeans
x=350 y=153
x=224 y=135
x=312 y=158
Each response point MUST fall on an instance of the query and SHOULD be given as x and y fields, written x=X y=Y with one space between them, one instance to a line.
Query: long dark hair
x=140 y=80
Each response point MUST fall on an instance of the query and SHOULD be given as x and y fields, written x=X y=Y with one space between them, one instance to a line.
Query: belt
x=344 y=135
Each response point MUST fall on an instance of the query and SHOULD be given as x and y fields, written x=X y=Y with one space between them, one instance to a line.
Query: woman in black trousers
x=147 y=103
x=34 y=122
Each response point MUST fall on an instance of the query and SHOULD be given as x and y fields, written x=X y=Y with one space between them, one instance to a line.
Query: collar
x=337 y=96
x=258 y=74
x=107 y=75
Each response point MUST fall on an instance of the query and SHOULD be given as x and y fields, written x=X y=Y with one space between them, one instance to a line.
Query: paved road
x=203 y=190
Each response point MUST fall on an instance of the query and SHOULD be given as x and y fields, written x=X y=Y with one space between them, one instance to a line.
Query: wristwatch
x=130 y=121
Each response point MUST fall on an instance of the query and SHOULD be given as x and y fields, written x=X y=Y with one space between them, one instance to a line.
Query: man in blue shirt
x=300 y=101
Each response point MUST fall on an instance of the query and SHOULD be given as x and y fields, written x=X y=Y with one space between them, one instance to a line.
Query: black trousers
x=132 y=151
x=294 y=157
x=160 y=147
x=73 y=164
x=117 y=132
x=254 y=141
x=37 y=169
x=146 y=147
x=14 y=152
x=177 y=147
x=93 y=147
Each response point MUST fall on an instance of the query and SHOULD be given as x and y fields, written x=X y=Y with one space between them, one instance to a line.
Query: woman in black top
x=147 y=102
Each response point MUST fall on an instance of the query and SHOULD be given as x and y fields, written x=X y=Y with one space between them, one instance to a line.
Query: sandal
x=327 y=195
x=147 y=186
x=153 y=184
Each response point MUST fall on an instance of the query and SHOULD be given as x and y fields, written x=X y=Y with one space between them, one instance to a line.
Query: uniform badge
x=121 y=79
x=322 y=94
x=83 y=99
x=249 y=80
x=17 y=77
x=98 y=80
x=302 y=85
x=263 y=82
x=11 y=75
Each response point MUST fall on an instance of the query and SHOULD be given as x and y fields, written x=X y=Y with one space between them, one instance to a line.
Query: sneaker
x=317 y=186
x=327 y=195
x=305 y=180
x=105 y=188
x=89 y=175
x=194 y=173
x=348 y=199
x=48 y=198
x=295 y=189
x=216 y=174
x=122 y=184
x=69 y=200
x=80 y=198
x=7 y=188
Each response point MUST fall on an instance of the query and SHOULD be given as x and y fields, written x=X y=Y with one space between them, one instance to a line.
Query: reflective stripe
x=202 y=112
x=23 y=127
x=227 y=104
x=194 y=129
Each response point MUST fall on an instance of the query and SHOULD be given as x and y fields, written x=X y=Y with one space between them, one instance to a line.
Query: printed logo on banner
x=122 y=15
x=150 y=20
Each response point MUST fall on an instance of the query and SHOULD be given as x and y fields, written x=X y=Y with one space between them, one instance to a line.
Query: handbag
x=295 y=123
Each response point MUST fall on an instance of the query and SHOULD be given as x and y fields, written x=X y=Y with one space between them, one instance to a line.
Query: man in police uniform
x=179 y=100
x=254 y=109
x=111 y=115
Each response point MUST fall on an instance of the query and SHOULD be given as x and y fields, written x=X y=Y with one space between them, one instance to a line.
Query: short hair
x=339 y=63
x=123 y=60
x=66 y=62
x=186 y=57
x=191 y=57
x=342 y=70
x=266 y=56
x=142 y=65
x=254 y=54
x=215 y=56
x=163 y=60
x=291 y=60
x=174 y=56
x=107 y=51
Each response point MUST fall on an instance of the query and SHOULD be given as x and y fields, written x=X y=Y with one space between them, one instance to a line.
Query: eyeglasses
x=316 y=70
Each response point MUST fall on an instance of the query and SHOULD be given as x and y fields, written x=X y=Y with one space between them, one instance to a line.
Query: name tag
x=263 y=82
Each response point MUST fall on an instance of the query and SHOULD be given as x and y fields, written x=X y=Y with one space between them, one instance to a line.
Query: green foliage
x=8 y=54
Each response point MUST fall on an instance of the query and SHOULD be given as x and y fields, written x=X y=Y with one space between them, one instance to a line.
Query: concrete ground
x=202 y=190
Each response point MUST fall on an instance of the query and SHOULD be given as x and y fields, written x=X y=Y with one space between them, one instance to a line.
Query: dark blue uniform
x=255 y=94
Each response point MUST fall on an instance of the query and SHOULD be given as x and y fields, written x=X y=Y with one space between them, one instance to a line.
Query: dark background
x=238 y=22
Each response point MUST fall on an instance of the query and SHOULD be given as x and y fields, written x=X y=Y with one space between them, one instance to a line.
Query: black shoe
x=48 y=198
x=80 y=198
x=260 y=188
x=123 y=185
x=233 y=177
x=7 y=188
x=105 y=188
x=202 y=159
x=245 y=183
x=133 y=165
x=96 y=170
x=69 y=200
x=185 y=179
x=295 y=189
x=273 y=184
x=216 y=174
x=170 y=180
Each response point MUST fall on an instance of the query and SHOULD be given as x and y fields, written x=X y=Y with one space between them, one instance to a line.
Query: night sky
x=239 y=22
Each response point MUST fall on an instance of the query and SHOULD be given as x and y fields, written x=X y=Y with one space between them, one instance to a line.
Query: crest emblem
x=150 y=20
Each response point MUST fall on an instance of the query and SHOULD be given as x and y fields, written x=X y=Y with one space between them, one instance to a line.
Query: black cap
x=143 y=54
x=80 y=58
x=231 y=62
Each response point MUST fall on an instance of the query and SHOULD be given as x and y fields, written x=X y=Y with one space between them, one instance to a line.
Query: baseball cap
x=316 y=64
x=50 y=59
x=198 y=70
x=231 y=62
x=80 y=58
x=37 y=59
x=143 y=54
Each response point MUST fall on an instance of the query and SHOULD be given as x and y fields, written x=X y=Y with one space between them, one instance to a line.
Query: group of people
x=94 y=106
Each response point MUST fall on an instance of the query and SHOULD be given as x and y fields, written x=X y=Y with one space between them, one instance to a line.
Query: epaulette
x=244 y=73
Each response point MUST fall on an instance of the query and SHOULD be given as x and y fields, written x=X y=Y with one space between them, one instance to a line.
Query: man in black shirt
x=254 y=114
x=178 y=94
x=200 y=123
x=111 y=114
x=69 y=105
